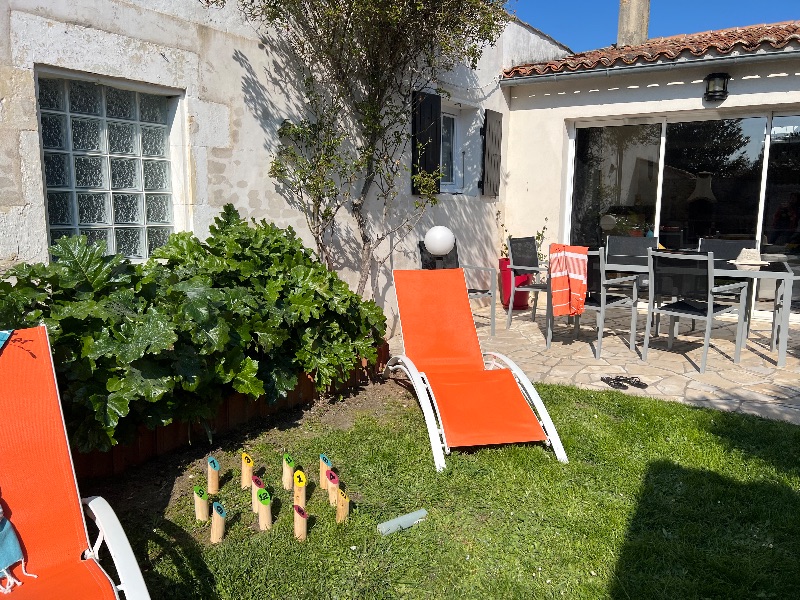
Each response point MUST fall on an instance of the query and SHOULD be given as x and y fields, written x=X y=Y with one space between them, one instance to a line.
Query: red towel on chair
x=568 y=266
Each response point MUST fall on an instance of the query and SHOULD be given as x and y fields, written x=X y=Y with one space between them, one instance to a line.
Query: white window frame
x=456 y=186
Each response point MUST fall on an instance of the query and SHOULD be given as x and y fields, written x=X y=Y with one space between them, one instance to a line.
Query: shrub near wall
x=246 y=311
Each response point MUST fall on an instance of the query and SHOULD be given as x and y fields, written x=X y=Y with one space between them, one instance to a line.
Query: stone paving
x=754 y=386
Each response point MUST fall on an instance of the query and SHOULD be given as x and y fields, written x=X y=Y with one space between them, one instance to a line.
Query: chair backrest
x=436 y=320
x=682 y=275
x=429 y=261
x=724 y=249
x=37 y=481
x=595 y=270
x=523 y=252
x=626 y=250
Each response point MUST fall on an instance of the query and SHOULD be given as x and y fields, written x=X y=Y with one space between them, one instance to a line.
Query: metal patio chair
x=523 y=256
x=450 y=261
x=689 y=280
x=598 y=298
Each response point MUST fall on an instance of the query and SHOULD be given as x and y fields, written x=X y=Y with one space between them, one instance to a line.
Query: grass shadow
x=698 y=534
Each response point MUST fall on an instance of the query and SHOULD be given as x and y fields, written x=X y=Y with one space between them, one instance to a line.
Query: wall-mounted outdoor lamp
x=716 y=87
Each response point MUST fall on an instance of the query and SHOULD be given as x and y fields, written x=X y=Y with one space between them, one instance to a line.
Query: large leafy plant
x=247 y=311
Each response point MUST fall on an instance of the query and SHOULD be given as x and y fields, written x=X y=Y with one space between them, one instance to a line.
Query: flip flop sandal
x=614 y=382
x=634 y=381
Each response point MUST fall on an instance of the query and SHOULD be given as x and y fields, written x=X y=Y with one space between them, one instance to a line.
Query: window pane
x=781 y=229
x=92 y=208
x=96 y=236
x=121 y=138
x=51 y=94
x=712 y=180
x=84 y=97
x=159 y=208
x=615 y=183
x=157 y=237
x=59 y=208
x=86 y=134
x=90 y=172
x=152 y=109
x=56 y=170
x=124 y=173
x=154 y=141
x=129 y=242
x=127 y=208
x=156 y=174
x=55 y=234
x=54 y=132
x=448 y=133
x=120 y=104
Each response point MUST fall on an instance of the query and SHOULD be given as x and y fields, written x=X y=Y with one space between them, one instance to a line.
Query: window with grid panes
x=106 y=165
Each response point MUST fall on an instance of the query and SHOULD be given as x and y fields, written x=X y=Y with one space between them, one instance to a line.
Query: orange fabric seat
x=37 y=481
x=481 y=408
x=73 y=579
x=477 y=406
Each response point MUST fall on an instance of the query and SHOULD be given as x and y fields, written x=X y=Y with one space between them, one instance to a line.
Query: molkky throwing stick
x=324 y=464
x=333 y=486
x=247 y=470
x=300 y=523
x=342 y=506
x=300 y=488
x=200 y=503
x=218 y=523
x=256 y=485
x=264 y=510
x=213 y=475
x=288 y=472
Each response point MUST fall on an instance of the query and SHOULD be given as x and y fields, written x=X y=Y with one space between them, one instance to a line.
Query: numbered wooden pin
x=264 y=510
x=218 y=523
x=300 y=488
x=247 y=470
x=213 y=475
x=324 y=464
x=300 y=523
x=256 y=485
x=333 y=486
x=288 y=472
x=342 y=506
x=200 y=503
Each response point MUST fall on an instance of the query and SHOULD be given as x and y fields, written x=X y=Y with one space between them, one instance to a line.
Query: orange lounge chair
x=468 y=398
x=39 y=492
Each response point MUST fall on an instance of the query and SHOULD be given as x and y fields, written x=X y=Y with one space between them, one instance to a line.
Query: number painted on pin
x=287 y=458
x=332 y=477
x=201 y=492
x=326 y=460
x=299 y=478
x=219 y=510
x=212 y=462
x=257 y=481
x=263 y=496
x=246 y=459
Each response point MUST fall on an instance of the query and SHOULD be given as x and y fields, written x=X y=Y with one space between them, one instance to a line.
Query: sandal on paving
x=614 y=382
x=634 y=381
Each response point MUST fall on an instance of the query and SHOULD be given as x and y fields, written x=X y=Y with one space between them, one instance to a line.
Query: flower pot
x=520 y=298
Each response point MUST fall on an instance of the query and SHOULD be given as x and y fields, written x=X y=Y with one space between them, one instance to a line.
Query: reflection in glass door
x=781 y=224
x=712 y=181
x=616 y=182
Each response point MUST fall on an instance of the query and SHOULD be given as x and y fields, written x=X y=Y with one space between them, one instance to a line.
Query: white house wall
x=544 y=114
x=232 y=94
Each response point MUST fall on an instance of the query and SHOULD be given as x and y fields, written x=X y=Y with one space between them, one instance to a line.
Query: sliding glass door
x=715 y=182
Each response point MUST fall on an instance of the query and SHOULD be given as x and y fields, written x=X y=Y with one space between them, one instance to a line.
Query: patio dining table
x=779 y=272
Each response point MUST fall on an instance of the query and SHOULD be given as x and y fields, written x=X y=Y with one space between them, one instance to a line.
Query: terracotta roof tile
x=722 y=41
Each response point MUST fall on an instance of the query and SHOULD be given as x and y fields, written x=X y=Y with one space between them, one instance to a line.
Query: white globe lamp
x=439 y=240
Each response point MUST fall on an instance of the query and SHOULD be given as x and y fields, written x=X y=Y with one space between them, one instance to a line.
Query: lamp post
x=439 y=241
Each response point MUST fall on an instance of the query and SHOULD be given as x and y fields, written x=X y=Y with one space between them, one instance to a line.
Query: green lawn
x=658 y=501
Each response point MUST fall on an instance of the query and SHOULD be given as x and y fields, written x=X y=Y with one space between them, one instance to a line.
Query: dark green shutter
x=492 y=143
x=426 y=130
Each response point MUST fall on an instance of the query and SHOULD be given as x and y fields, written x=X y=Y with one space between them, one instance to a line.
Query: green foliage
x=245 y=311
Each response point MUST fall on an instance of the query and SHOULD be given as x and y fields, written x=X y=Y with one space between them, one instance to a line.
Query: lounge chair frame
x=430 y=410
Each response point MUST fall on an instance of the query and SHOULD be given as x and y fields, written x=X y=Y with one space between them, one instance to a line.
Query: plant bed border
x=235 y=411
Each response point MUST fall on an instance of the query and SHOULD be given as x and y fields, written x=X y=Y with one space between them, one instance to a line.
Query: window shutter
x=492 y=141
x=426 y=129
